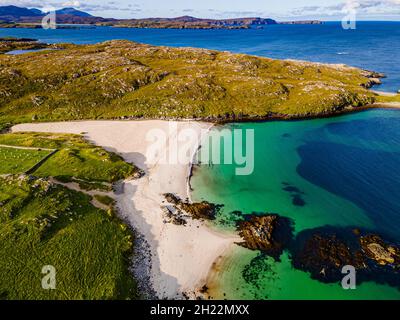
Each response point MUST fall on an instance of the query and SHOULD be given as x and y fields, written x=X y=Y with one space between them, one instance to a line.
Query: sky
x=277 y=9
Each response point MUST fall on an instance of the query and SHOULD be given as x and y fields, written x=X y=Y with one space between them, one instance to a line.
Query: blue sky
x=278 y=9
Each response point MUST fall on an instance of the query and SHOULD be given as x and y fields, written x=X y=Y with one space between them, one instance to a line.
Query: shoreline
x=171 y=251
x=181 y=257
x=214 y=121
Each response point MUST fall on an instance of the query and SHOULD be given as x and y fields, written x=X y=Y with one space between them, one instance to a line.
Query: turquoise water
x=345 y=171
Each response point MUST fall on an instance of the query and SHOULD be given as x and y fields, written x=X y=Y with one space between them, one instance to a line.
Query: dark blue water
x=373 y=45
x=358 y=160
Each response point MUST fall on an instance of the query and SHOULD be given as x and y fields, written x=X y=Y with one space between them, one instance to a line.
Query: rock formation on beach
x=200 y=210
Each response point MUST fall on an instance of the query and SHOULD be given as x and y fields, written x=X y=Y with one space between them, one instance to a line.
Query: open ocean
x=346 y=169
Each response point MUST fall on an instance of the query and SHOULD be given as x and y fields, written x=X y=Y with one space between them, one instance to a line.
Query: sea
x=342 y=171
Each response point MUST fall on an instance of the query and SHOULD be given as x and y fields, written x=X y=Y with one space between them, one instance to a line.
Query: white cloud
x=363 y=7
x=73 y=3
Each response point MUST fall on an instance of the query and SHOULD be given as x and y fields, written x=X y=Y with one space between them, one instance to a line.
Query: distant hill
x=17 y=12
x=73 y=12
x=14 y=15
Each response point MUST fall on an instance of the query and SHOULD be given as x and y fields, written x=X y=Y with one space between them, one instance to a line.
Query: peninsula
x=127 y=80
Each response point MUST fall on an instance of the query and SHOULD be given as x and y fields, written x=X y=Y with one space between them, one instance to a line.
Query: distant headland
x=18 y=17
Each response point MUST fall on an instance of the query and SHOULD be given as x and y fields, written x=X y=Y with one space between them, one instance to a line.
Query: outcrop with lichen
x=376 y=249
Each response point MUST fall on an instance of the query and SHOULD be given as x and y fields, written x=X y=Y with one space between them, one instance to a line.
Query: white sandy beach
x=182 y=256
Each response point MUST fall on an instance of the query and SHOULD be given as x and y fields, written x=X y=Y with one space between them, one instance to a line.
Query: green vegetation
x=10 y=44
x=44 y=223
x=389 y=98
x=19 y=160
x=76 y=159
x=106 y=200
x=124 y=79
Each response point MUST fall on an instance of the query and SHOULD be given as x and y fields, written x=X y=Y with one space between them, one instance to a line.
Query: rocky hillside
x=122 y=79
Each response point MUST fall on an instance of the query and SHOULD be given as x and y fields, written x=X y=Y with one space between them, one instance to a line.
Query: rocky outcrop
x=324 y=257
x=374 y=78
x=379 y=251
x=200 y=210
x=269 y=233
x=325 y=251
x=171 y=215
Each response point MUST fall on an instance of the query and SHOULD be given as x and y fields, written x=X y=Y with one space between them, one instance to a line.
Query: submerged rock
x=269 y=233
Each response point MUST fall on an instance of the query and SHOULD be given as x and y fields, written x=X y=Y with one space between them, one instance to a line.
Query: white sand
x=182 y=256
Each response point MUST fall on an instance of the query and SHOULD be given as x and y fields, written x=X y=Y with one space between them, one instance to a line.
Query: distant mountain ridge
x=74 y=12
x=14 y=11
x=14 y=15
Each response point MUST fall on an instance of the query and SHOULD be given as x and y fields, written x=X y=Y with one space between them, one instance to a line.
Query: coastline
x=181 y=257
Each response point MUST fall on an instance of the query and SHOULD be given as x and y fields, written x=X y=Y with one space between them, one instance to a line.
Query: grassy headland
x=123 y=79
x=45 y=223
x=10 y=44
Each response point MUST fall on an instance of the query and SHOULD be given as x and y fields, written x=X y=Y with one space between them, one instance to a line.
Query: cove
x=340 y=172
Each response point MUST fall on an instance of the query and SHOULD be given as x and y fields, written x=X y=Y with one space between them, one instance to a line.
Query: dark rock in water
x=199 y=210
x=325 y=251
x=325 y=256
x=298 y=201
x=291 y=189
x=257 y=272
x=296 y=194
x=269 y=233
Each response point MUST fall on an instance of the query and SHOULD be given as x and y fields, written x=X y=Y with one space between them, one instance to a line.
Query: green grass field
x=75 y=159
x=44 y=223
x=19 y=160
